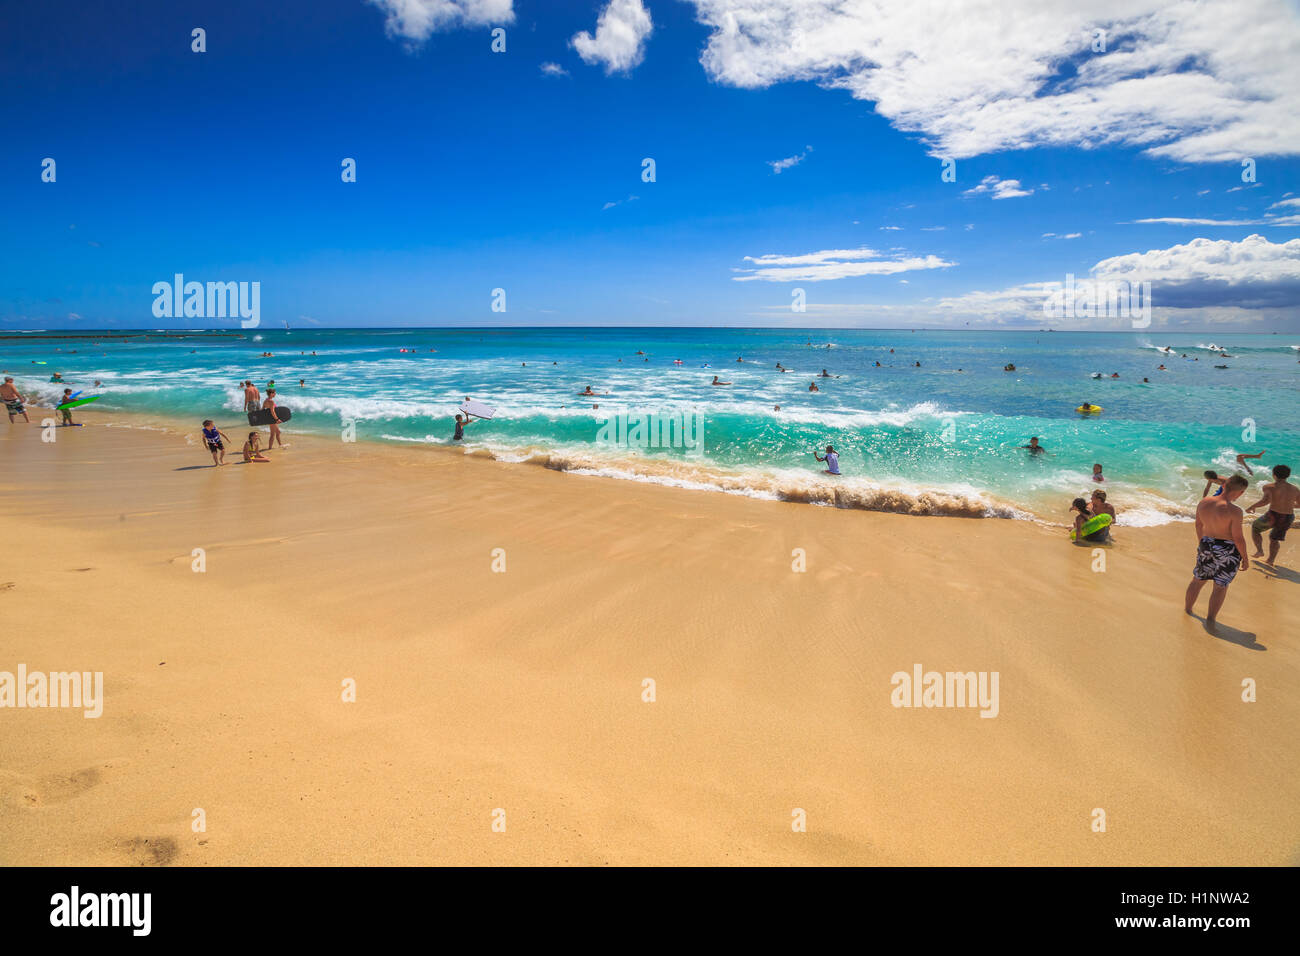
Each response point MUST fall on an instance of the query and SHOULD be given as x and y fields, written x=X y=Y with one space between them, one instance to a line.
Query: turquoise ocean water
x=939 y=439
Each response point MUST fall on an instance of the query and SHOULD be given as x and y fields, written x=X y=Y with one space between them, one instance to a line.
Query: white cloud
x=416 y=20
x=1269 y=219
x=621 y=32
x=554 y=69
x=833 y=264
x=1209 y=81
x=891 y=228
x=1000 y=188
x=781 y=164
x=1285 y=202
x=1251 y=274
x=1067 y=235
x=619 y=202
x=1220 y=280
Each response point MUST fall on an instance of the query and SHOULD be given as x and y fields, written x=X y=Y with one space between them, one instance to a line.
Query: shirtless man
x=1221 y=551
x=13 y=400
x=1282 y=499
x=1098 y=506
x=252 y=397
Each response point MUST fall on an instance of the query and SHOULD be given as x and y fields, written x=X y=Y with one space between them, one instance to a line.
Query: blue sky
x=479 y=170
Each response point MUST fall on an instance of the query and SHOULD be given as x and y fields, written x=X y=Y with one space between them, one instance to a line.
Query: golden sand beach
x=514 y=680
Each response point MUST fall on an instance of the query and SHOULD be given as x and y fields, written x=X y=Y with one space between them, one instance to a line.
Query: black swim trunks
x=1278 y=523
x=216 y=446
x=1217 y=560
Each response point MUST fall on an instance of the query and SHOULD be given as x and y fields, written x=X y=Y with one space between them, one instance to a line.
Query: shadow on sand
x=1281 y=574
x=1232 y=635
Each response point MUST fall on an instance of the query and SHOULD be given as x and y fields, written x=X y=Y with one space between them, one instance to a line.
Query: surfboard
x=80 y=401
x=263 y=415
x=75 y=394
x=477 y=409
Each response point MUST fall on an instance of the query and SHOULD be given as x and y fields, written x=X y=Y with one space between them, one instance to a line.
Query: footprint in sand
x=147 y=851
x=53 y=788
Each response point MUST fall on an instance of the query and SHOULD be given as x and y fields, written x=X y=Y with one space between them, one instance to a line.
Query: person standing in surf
x=269 y=405
x=461 y=423
x=252 y=397
x=13 y=400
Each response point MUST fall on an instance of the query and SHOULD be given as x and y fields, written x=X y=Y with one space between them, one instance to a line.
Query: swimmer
x=812 y=387
x=832 y=460
x=1080 y=507
x=1034 y=447
x=1241 y=461
x=1212 y=478
x=718 y=381
x=1096 y=473
x=590 y=394
x=825 y=374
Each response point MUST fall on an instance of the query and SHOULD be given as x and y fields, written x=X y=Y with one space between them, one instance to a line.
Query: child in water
x=1096 y=473
x=1101 y=535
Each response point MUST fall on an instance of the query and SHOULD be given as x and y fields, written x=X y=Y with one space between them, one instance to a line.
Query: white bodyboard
x=477 y=409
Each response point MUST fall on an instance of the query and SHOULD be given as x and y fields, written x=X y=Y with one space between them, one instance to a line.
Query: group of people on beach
x=214 y=439
x=1221 y=541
